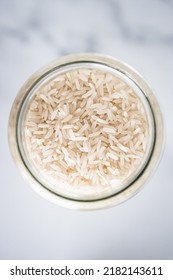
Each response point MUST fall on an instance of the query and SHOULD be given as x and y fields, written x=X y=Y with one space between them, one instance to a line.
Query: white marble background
x=31 y=34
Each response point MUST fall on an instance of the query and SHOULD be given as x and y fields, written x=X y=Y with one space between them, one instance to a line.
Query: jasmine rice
x=86 y=129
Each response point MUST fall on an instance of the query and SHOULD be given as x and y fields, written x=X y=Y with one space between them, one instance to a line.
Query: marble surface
x=33 y=33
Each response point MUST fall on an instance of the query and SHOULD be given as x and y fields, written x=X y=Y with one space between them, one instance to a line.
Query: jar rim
x=155 y=146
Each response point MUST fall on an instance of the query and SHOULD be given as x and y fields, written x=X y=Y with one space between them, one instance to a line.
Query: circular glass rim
x=43 y=74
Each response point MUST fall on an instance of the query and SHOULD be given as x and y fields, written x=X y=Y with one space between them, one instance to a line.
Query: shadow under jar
x=86 y=131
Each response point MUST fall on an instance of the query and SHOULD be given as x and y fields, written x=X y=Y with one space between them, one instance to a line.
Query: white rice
x=86 y=128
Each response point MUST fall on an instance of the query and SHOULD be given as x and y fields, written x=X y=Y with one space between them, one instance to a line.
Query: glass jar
x=78 y=199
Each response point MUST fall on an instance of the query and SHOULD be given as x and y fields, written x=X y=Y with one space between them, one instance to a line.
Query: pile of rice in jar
x=86 y=129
